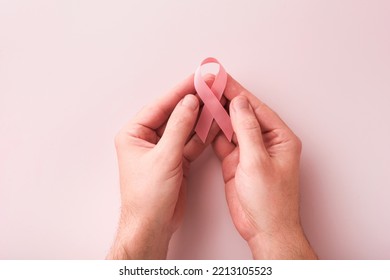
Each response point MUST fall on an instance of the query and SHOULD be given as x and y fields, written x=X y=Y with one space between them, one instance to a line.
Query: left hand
x=154 y=154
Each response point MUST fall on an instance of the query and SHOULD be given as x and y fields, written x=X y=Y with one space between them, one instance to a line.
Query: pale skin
x=260 y=169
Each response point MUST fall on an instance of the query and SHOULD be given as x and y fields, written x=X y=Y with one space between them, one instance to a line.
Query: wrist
x=140 y=240
x=291 y=244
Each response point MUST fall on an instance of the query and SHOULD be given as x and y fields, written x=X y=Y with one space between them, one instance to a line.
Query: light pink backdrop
x=73 y=72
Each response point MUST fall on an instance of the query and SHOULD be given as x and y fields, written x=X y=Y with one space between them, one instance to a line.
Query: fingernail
x=190 y=101
x=240 y=103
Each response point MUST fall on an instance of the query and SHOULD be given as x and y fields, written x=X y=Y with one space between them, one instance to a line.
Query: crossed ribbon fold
x=211 y=97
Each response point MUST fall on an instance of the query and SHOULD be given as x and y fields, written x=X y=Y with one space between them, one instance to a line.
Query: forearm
x=139 y=241
x=291 y=245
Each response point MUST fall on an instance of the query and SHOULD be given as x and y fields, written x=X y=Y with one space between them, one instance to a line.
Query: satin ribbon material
x=211 y=97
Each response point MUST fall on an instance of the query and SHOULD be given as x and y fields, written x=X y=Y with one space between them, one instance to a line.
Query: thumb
x=179 y=126
x=247 y=129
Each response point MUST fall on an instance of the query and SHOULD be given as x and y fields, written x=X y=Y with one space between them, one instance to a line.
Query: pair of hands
x=260 y=169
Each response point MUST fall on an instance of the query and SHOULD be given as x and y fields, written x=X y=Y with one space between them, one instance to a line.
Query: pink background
x=73 y=72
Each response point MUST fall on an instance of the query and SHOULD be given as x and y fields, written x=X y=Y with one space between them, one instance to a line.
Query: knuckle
x=297 y=144
x=123 y=136
x=119 y=140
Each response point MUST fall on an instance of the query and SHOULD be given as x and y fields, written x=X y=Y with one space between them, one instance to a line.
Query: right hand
x=261 y=174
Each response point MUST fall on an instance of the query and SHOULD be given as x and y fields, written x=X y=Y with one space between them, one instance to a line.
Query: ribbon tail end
x=202 y=133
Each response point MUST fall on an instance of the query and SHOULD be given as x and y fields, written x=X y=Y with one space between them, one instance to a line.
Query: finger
x=179 y=126
x=267 y=118
x=247 y=129
x=195 y=146
x=234 y=88
x=222 y=146
x=209 y=79
x=150 y=118
x=156 y=114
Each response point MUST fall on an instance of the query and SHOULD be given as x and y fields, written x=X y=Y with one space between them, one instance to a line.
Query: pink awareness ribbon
x=211 y=97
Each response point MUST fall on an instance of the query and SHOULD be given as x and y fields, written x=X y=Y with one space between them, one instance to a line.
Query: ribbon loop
x=211 y=97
